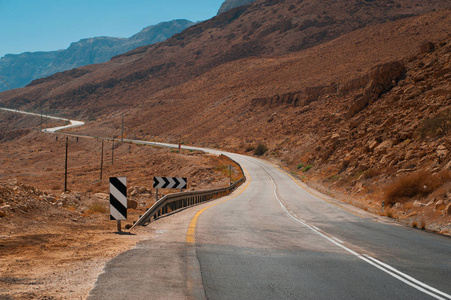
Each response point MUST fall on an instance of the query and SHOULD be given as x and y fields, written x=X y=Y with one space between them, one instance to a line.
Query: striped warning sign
x=118 y=198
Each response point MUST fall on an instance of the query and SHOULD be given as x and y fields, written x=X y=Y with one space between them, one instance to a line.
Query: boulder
x=438 y=204
x=441 y=152
x=132 y=204
x=417 y=203
x=383 y=148
x=448 y=210
x=133 y=191
x=372 y=145
x=102 y=196
x=334 y=137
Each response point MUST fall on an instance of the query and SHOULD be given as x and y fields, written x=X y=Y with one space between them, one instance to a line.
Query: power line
x=6 y=83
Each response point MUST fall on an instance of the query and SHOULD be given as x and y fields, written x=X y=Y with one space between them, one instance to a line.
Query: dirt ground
x=54 y=244
x=59 y=259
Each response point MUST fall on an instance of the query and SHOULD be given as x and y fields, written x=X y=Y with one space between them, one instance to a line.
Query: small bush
x=437 y=126
x=249 y=148
x=423 y=225
x=389 y=213
x=335 y=177
x=414 y=224
x=308 y=167
x=300 y=166
x=418 y=184
x=98 y=208
x=371 y=173
x=260 y=150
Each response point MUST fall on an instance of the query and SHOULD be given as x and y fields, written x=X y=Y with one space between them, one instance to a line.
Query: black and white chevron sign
x=169 y=183
x=118 y=198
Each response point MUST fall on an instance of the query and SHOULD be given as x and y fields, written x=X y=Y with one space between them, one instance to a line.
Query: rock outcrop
x=229 y=4
x=380 y=80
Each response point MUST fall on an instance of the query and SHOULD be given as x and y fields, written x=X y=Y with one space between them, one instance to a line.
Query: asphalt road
x=72 y=124
x=275 y=238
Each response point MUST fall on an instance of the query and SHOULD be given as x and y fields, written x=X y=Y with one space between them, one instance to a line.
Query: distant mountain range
x=21 y=69
x=229 y=4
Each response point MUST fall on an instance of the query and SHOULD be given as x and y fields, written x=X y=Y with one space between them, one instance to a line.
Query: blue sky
x=46 y=25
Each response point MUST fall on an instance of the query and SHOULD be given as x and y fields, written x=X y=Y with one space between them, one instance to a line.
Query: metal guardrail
x=173 y=202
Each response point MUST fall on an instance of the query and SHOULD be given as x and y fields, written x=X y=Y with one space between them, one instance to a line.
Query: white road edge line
x=407 y=276
x=383 y=267
x=338 y=240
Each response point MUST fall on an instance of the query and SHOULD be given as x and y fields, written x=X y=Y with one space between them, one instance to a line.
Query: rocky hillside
x=261 y=29
x=352 y=95
x=229 y=4
x=35 y=65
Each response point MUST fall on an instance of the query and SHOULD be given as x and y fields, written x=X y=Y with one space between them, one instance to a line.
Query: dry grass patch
x=371 y=173
x=388 y=213
x=98 y=207
x=416 y=185
x=423 y=224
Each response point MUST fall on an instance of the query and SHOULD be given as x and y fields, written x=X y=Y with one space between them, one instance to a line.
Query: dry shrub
x=98 y=208
x=442 y=192
x=249 y=148
x=371 y=173
x=437 y=126
x=389 y=213
x=260 y=150
x=422 y=224
x=408 y=205
x=418 y=184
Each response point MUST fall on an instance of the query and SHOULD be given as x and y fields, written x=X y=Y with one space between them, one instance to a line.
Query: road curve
x=72 y=124
x=275 y=238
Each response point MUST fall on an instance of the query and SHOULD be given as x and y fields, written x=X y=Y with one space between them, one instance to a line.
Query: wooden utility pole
x=122 y=129
x=101 y=163
x=112 y=153
x=65 y=168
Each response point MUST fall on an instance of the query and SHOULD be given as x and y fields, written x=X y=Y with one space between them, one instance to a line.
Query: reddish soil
x=54 y=244
x=351 y=96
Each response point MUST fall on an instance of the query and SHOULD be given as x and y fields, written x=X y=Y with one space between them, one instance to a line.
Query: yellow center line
x=191 y=234
x=318 y=196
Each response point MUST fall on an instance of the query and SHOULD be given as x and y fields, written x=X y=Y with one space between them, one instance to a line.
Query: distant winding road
x=73 y=123
x=275 y=238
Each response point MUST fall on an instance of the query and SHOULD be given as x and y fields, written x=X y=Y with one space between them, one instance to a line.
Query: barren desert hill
x=260 y=29
x=362 y=111
x=358 y=110
x=282 y=101
x=229 y=4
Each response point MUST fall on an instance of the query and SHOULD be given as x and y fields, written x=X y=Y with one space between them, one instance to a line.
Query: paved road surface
x=72 y=124
x=276 y=239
